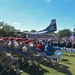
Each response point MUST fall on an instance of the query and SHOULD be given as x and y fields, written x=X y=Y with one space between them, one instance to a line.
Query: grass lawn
x=66 y=67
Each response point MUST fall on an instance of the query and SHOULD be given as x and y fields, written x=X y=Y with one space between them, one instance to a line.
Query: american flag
x=71 y=38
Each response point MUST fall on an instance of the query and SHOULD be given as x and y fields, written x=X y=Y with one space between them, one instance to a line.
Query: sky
x=37 y=14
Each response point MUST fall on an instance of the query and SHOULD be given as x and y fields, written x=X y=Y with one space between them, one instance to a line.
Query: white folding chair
x=4 y=68
x=56 y=56
x=2 y=58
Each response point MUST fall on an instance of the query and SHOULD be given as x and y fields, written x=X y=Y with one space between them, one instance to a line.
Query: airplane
x=52 y=27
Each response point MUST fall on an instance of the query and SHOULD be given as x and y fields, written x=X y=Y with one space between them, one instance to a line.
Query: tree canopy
x=64 y=33
x=7 y=30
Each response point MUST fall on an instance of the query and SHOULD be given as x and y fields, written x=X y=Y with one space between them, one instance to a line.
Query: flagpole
x=73 y=30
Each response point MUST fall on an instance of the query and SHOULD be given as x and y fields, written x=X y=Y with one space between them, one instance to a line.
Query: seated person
x=50 y=52
x=31 y=54
x=40 y=46
x=8 y=59
x=50 y=48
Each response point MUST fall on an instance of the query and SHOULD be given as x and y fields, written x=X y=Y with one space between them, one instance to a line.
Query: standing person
x=73 y=44
x=68 y=44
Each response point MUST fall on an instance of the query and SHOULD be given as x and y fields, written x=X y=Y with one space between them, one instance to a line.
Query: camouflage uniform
x=7 y=58
x=33 y=57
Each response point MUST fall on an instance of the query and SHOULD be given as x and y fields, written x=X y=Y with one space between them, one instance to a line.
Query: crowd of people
x=9 y=46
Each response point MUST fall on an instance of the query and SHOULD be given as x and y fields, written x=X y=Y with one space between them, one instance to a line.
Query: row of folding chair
x=50 y=58
x=65 y=49
x=2 y=65
x=25 y=54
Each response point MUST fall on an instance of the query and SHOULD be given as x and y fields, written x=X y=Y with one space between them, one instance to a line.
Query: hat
x=11 y=38
x=26 y=42
x=18 y=39
x=6 y=38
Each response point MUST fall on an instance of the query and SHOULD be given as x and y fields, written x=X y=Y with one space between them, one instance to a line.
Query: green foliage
x=25 y=31
x=33 y=30
x=7 y=30
x=64 y=33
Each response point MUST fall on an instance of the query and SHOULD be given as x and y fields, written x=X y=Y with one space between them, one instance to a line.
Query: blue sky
x=37 y=14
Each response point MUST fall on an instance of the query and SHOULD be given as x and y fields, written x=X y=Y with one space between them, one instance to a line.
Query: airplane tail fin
x=52 y=27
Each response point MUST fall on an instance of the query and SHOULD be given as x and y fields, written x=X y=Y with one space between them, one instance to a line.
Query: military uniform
x=7 y=58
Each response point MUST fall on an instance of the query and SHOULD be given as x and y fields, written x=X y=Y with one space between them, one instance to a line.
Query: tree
x=64 y=33
x=25 y=31
x=33 y=30
x=7 y=30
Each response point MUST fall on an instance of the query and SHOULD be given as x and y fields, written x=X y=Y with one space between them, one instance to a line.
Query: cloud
x=20 y=14
x=2 y=8
x=66 y=0
x=66 y=17
x=48 y=0
x=16 y=23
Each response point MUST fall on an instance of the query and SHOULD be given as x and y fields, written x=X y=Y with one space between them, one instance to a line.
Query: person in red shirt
x=40 y=46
